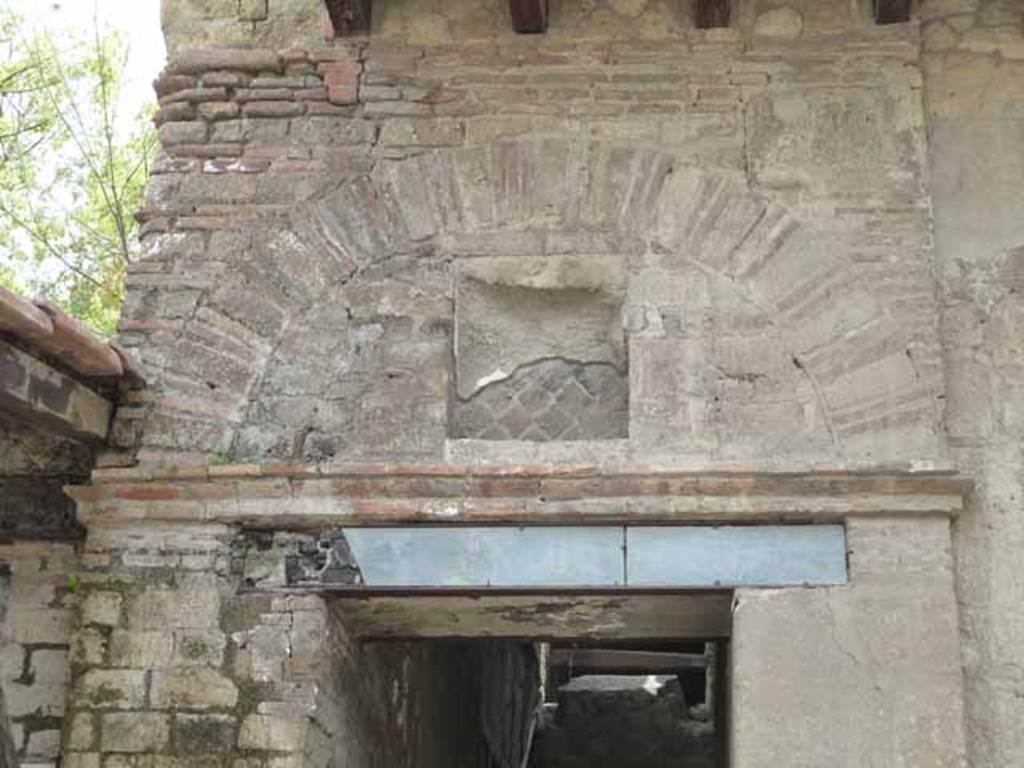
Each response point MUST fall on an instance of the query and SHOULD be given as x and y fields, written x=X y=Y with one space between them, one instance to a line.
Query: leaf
x=71 y=176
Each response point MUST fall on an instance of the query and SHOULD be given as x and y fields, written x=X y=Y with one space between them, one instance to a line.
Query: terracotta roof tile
x=43 y=326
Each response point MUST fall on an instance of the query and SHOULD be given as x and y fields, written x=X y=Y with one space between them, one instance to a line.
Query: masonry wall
x=973 y=55
x=37 y=600
x=794 y=241
x=701 y=244
x=38 y=566
x=177 y=663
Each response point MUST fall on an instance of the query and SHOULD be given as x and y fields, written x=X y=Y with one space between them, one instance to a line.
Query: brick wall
x=316 y=209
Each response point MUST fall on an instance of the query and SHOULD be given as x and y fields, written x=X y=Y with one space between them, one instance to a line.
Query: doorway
x=542 y=680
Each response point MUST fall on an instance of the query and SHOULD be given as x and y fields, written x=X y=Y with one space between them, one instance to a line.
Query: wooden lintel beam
x=529 y=16
x=35 y=394
x=708 y=14
x=611 y=660
x=349 y=17
x=892 y=11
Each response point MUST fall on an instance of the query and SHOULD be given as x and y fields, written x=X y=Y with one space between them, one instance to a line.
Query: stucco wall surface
x=973 y=65
x=865 y=675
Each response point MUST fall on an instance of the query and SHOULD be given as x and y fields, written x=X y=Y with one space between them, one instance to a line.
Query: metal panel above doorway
x=489 y=556
x=598 y=557
x=749 y=556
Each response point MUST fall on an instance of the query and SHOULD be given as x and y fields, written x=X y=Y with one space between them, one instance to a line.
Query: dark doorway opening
x=569 y=680
x=632 y=704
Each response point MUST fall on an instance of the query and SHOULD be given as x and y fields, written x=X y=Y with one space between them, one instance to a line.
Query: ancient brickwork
x=973 y=55
x=312 y=221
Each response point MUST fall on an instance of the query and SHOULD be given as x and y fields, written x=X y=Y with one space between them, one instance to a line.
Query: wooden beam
x=610 y=660
x=529 y=16
x=892 y=11
x=708 y=14
x=538 y=617
x=349 y=17
x=35 y=394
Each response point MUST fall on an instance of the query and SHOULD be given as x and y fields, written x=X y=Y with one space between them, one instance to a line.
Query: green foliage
x=70 y=178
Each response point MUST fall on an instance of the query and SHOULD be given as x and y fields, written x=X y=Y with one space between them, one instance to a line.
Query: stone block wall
x=38 y=586
x=37 y=601
x=176 y=664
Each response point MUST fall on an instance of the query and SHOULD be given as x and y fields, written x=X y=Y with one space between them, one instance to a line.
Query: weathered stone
x=112 y=688
x=192 y=688
x=219 y=110
x=428 y=133
x=272 y=733
x=275 y=109
x=134 y=732
x=206 y=732
x=140 y=649
x=50 y=666
x=199 y=60
x=100 y=607
x=164 y=609
x=82 y=732
x=782 y=22
x=192 y=647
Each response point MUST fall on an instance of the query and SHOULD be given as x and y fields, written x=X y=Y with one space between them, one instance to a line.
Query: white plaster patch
x=497 y=375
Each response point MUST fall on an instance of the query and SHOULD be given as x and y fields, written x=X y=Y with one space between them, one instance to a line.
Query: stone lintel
x=36 y=394
x=309 y=497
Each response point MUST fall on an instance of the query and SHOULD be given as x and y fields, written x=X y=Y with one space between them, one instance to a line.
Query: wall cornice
x=307 y=496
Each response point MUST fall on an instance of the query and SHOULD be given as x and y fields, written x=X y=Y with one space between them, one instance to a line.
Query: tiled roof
x=41 y=326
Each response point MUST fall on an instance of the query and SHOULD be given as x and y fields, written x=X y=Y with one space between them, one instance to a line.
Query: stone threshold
x=298 y=496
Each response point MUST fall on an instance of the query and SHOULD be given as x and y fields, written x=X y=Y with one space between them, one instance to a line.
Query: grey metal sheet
x=761 y=555
x=489 y=556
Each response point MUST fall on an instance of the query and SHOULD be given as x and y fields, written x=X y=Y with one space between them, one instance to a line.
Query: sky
x=140 y=19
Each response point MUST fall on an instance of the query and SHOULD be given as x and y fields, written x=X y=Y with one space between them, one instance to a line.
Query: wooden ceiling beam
x=349 y=17
x=529 y=16
x=709 y=14
x=613 y=661
x=892 y=11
